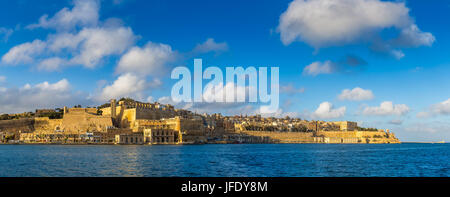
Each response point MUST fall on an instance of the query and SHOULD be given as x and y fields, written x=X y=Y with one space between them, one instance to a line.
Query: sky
x=380 y=63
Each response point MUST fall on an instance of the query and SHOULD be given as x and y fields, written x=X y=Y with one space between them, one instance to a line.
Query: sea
x=227 y=160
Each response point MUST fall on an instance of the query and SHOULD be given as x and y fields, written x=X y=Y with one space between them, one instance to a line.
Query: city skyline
x=383 y=66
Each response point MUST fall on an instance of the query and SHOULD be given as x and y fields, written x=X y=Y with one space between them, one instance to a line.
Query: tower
x=113 y=108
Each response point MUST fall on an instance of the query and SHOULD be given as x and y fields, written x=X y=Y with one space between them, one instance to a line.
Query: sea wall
x=332 y=137
x=283 y=137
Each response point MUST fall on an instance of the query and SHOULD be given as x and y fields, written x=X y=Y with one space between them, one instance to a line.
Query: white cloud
x=317 y=68
x=327 y=111
x=52 y=64
x=323 y=23
x=86 y=47
x=397 y=54
x=126 y=85
x=356 y=94
x=61 y=86
x=150 y=99
x=211 y=46
x=96 y=43
x=42 y=95
x=424 y=131
x=413 y=37
x=2 y=78
x=24 y=53
x=442 y=108
x=151 y=59
x=167 y=100
x=387 y=108
x=84 y=13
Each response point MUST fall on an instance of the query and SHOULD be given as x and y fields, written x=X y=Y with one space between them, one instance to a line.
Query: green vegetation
x=104 y=105
x=367 y=129
x=127 y=100
x=16 y=116
x=300 y=128
x=9 y=137
x=52 y=115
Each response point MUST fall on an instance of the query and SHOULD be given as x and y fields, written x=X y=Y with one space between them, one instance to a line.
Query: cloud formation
x=126 y=85
x=324 y=23
x=82 y=40
x=41 y=95
x=317 y=68
x=347 y=64
x=87 y=45
x=211 y=46
x=356 y=94
x=442 y=108
x=84 y=13
x=148 y=60
x=387 y=108
x=24 y=53
x=326 y=110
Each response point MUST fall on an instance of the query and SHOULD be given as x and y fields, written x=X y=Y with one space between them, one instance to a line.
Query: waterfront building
x=161 y=136
x=133 y=138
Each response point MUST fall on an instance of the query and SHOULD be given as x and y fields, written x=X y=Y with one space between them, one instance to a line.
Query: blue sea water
x=236 y=160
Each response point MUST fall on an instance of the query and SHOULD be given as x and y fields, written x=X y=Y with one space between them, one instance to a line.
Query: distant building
x=161 y=136
x=133 y=138
x=40 y=112
x=347 y=125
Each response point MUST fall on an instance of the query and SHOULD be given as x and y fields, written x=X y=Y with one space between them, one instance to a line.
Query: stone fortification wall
x=373 y=137
x=283 y=137
x=14 y=126
x=81 y=122
x=44 y=124
x=332 y=137
x=153 y=114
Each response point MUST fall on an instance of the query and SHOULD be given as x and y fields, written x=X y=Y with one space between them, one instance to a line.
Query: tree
x=127 y=100
x=5 y=117
x=104 y=105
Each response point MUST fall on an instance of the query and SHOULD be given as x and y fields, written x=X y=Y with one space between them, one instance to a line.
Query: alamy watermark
x=233 y=89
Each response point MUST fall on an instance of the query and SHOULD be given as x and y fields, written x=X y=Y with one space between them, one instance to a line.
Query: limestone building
x=347 y=125
x=125 y=114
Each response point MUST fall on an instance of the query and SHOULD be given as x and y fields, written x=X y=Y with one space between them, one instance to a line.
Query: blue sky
x=391 y=52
